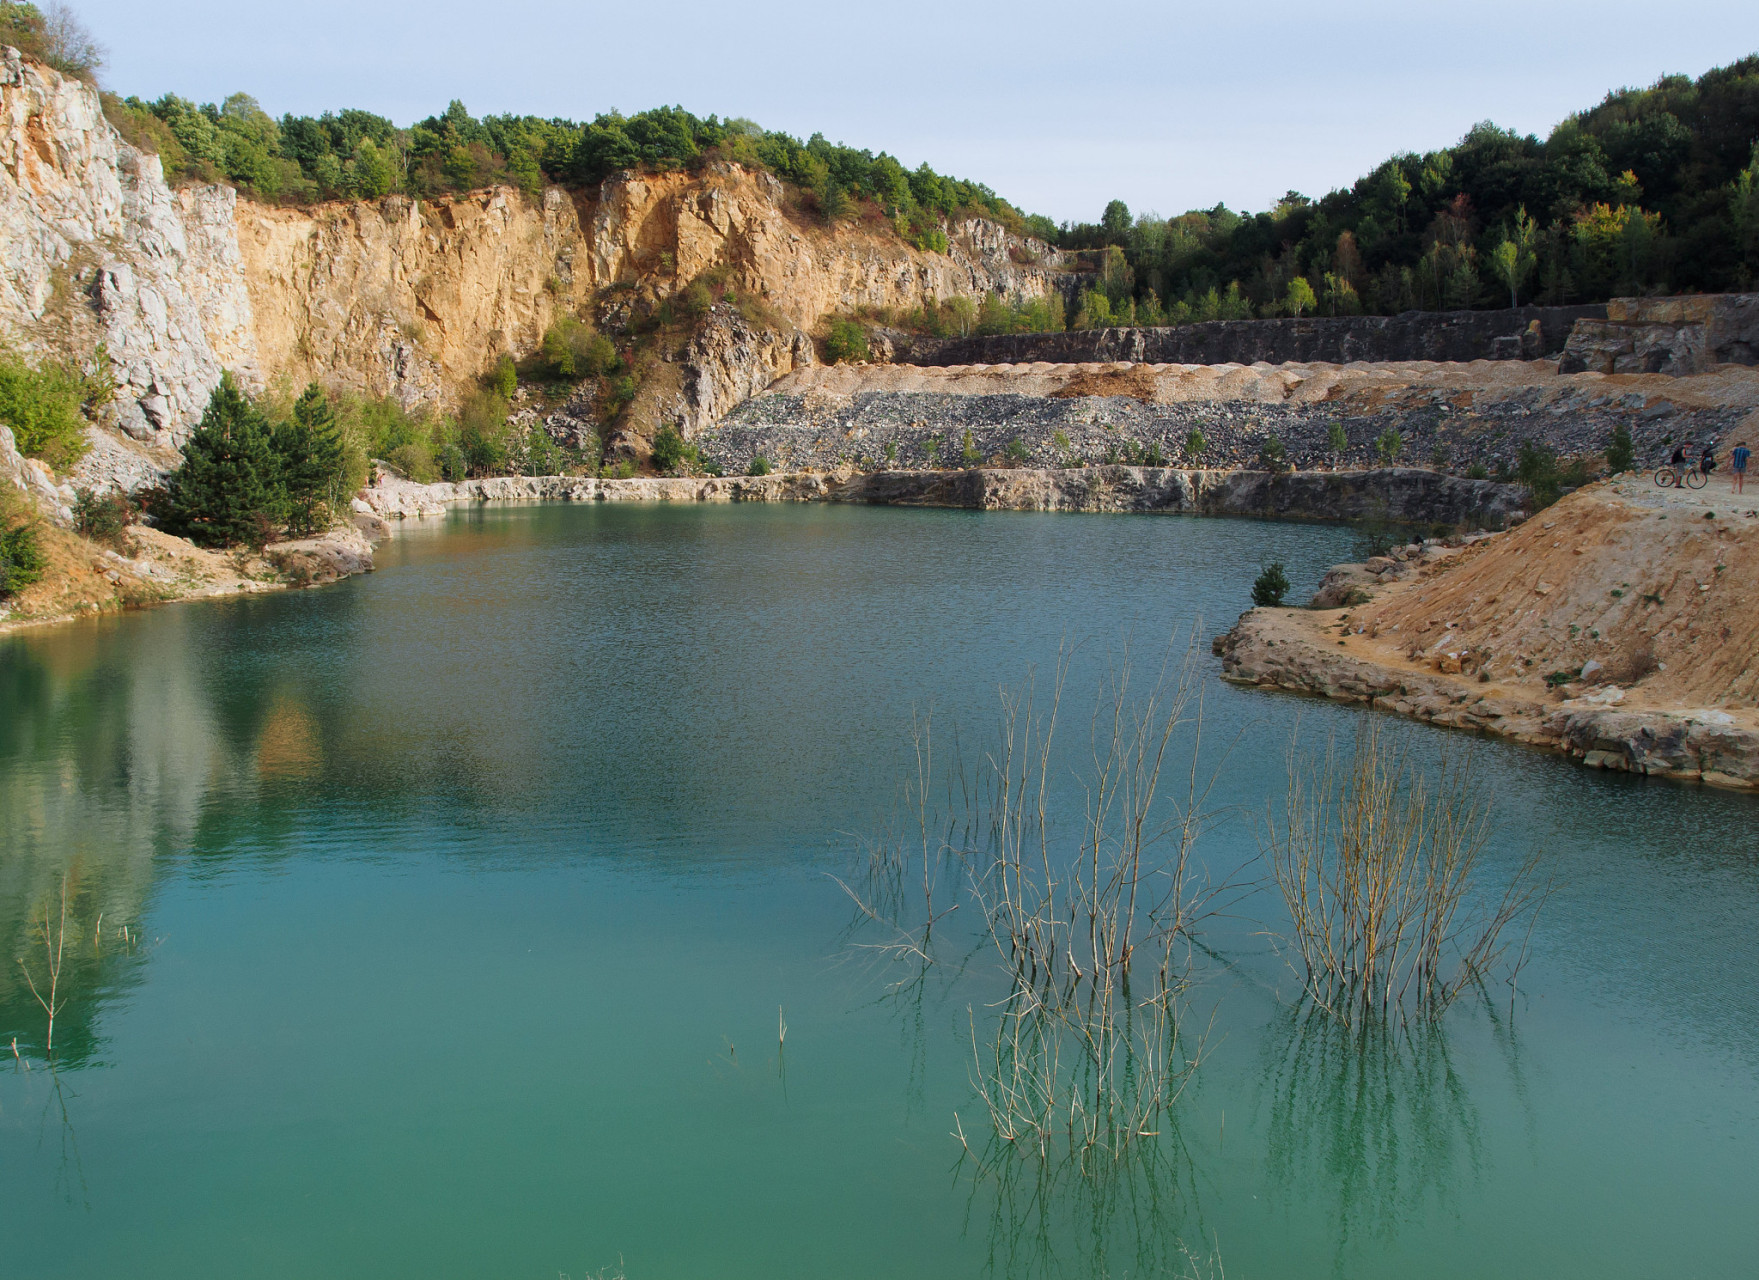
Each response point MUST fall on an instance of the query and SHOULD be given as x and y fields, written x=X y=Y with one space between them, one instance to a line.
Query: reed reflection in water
x=1374 y=1118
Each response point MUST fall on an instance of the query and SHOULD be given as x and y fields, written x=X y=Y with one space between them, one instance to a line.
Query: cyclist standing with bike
x=1678 y=473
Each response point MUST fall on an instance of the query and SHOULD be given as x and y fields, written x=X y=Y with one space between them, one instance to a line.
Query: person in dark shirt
x=1737 y=466
x=1707 y=460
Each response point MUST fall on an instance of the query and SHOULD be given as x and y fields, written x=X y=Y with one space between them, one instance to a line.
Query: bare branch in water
x=54 y=938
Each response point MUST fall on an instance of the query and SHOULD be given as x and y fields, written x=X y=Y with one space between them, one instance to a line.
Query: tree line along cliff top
x=1651 y=191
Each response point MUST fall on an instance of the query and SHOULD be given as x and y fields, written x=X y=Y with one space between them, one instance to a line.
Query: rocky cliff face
x=95 y=248
x=414 y=298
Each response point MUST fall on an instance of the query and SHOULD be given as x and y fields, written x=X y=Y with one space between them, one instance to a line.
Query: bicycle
x=1692 y=477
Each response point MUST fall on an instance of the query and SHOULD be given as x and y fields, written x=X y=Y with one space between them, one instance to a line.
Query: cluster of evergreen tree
x=1652 y=191
x=359 y=155
x=243 y=477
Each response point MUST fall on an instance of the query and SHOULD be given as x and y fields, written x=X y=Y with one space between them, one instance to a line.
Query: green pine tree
x=227 y=491
x=308 y=451
x=1269 y=588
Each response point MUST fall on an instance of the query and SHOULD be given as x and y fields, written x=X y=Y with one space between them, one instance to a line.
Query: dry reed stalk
x=1079 y=1052
x=54 y=949
x=1091 y=934
x=1375 y=861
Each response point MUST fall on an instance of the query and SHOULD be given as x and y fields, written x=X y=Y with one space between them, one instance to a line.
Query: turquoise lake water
x=461 y=900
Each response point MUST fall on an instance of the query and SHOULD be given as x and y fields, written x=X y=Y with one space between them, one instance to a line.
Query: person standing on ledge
x=1737 y=466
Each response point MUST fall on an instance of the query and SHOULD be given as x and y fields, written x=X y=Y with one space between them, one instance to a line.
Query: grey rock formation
x=1667 y=335
x=1520 y=333
x=1395 y=494
x=933 y=429
x=727 y=362
x=1400 y=495
x=34 y=480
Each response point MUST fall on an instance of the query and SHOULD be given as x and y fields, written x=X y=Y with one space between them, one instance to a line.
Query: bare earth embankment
x=1620 y=626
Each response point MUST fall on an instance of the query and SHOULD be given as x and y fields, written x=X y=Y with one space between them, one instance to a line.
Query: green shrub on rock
x=102 y=518
x=572 y=350
x=847 y=342
x=482 y=433
x=1537 y=468
x=21 y=553
x=504 y=379
x=760 y=466
x=672 y=453
x=696 y=299
x=416 y=462
x=42 y=406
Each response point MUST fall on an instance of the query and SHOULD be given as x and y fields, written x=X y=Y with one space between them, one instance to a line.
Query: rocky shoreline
x=1614 y=627
x=1269 y=649
x=87 y=580
x=1400 y=495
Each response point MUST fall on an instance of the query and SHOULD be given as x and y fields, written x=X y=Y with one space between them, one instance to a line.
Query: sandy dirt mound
x=1620 y=583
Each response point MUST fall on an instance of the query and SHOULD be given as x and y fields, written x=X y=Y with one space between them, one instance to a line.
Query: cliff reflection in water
x=119 y=736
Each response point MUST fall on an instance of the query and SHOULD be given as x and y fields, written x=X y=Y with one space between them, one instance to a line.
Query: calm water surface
x=461 y=900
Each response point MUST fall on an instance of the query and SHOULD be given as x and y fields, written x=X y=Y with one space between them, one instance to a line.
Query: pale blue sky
x=1058 y=107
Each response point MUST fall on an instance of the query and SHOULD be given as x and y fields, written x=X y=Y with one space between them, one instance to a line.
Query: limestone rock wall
x=95 y=248
x=415 y=298
x=1392 y=493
